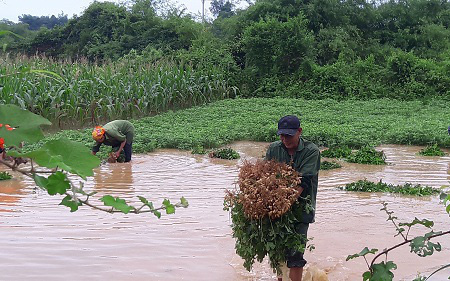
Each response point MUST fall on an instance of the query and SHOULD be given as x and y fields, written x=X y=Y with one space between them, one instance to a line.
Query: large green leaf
x=56 y=183
x=422 y=246
x=424 y=222
x=364 y=252
x=26 y=125
x=382 y=271
x=65 y=154
x=68 y=201
x=116 y=203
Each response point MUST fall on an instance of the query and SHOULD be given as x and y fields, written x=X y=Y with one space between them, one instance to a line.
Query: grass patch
x=408 y=188
x=431 y=150
x=327 y=165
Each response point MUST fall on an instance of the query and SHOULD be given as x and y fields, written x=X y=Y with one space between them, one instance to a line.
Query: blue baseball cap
x=288 y=125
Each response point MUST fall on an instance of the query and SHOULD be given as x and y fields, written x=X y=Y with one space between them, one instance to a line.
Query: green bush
x=367 y=155
x=432 y=150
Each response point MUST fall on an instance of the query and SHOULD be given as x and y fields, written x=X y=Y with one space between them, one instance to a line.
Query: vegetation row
x=326 y=122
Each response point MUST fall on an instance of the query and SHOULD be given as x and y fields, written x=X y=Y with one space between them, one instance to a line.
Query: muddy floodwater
x=43 y=241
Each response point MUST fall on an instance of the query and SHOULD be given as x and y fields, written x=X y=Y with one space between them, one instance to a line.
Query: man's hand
x=117 y=154
x=299 y=191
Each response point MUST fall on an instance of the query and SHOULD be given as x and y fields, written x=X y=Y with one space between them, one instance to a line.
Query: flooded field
x=43 y=241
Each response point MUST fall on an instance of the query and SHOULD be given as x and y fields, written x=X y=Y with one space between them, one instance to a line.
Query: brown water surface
x=43 y=241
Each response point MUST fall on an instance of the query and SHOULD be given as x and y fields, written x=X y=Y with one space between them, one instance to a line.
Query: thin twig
x=403 y=243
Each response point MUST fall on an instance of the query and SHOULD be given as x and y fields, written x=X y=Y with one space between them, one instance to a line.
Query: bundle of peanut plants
x=264 y=211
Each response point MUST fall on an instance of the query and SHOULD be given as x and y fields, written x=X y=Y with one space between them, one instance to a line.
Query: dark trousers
x=127 y=149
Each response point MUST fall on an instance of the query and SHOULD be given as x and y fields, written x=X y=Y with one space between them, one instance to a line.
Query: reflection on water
x=114 y=176
x=42 y=240
x=11 y=192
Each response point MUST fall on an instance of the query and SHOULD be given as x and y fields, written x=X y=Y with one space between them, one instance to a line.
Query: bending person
x=118 y=134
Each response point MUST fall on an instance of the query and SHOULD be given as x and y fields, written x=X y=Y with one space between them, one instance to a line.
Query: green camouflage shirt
x=306 y=161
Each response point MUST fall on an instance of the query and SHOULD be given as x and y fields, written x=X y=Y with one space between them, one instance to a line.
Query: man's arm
x=309 y=169
x=96 y=148
x=120 y=148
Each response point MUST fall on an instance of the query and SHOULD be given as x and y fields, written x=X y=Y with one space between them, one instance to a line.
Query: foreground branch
x=401 y=244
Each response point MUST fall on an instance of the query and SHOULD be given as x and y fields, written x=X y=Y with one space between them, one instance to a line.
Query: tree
x=222 y=8
x=35 y=23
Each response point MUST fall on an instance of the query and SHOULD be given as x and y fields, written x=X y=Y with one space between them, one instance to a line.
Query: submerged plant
x=327 y=165
x=368 y=155
x=5 y=176
x=407 y=188
x=432 y=150
x=337 y=152
x=224 y=153
x=198 y=150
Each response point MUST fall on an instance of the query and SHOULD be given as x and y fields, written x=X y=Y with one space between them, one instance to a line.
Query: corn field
x=81 y=92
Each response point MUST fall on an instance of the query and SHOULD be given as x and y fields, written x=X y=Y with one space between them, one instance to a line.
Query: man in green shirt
x=118 y=134
x=304 y=157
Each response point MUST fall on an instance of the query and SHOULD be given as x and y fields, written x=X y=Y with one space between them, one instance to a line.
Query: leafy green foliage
x=116 y=203
x=432 y=150
x=380 y=271
x=275 y=47
x=408 y=188
x=416 y=221
x=170 y=209
x=68 y=155
x=327 y=165
x=446 y=201
x=363 y=253
x=7 y=32
x=337 y=152
x=256 y=119
x=70 y=202
x=19 y=125
x=256 y=239
x=225 y=153
x=184 y=203
x=5 y=176
x=35 y=23
x=57 y=183
x=199 y=150
x=422 y=246
x=367 y=155
x=132 y=87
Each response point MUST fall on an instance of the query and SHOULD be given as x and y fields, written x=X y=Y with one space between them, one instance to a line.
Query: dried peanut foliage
x=267 y=188
x=265 y=212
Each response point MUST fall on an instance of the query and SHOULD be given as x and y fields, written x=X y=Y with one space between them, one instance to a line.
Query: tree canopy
x=308 y=48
